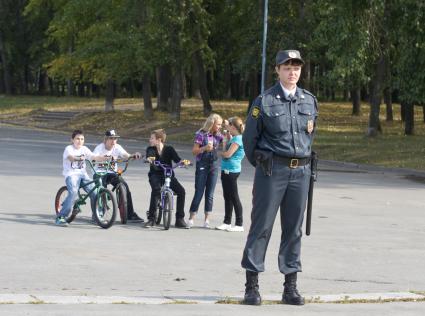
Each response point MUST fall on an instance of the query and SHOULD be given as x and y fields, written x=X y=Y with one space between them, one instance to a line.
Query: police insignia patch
x=310 y=126
x=255 y=112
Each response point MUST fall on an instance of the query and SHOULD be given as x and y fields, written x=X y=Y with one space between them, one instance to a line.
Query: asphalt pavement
x=366 y=248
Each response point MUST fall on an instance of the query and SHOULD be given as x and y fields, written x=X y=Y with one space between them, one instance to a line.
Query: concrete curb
x=156 y=300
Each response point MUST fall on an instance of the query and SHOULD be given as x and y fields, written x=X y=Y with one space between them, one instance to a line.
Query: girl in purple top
x=207 y=140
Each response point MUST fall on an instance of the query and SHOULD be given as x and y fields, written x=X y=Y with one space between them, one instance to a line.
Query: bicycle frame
x=82 y=197
x=168 y=173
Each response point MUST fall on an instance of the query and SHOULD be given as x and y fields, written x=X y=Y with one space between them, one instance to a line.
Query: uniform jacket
x=278 y=124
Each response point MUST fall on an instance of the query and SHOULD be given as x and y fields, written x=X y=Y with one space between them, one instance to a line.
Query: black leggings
x=231 y=197
x=156 y=181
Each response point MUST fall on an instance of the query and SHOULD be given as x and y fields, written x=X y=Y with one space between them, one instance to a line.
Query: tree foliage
x=213 y=46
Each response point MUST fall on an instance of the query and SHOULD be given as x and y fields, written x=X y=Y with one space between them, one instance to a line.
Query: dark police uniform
x=279 y=125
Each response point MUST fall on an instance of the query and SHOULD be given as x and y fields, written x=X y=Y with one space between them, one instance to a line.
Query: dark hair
x=292 y=62
x=77 y=132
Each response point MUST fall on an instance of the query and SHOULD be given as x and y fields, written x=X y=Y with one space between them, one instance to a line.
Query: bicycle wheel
x=59 y=199
x=106 y=208
x=158 y=213
x=121 y=194
x=166 y=212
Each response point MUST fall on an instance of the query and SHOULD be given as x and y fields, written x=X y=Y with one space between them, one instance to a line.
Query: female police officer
x=277 y=141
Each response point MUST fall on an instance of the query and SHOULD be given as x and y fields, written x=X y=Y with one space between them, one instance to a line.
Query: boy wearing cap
x=111 y=149
x=277 y=139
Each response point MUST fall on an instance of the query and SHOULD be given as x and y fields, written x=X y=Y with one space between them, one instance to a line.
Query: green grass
x=10 y=104
x=340 y=136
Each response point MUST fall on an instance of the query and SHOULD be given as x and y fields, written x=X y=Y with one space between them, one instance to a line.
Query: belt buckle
x=294 y=163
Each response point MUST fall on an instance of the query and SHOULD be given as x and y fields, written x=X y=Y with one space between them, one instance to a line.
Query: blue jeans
x=205 y=180
x=73 y=184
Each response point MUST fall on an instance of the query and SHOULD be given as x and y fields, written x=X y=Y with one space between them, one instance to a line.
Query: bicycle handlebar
x=158 y=163
x=107 y=165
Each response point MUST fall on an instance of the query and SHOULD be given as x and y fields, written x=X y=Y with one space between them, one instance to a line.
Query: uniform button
x=293 y=117
x=295 y=133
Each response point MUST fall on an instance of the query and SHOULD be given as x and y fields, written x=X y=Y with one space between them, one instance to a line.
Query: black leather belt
x=292 y=162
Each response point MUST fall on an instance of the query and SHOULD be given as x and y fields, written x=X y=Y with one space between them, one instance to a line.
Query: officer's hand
x=151 y=159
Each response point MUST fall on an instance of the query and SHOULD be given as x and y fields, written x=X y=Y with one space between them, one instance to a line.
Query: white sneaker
x=223 y=226
x=235 y=229
x=190 y=223
x=207 y=224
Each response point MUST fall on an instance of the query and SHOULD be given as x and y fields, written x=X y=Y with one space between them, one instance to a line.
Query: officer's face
x=289 y=75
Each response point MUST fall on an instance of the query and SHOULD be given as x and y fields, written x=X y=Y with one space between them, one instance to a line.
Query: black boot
x=252 y=296
x=290 y=293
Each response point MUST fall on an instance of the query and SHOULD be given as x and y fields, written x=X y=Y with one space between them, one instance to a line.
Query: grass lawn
x=340 y=137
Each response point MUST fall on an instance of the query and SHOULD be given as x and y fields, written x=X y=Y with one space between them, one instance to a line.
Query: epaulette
x=309 y=93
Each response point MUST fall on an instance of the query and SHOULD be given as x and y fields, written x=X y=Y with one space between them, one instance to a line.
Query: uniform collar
x=288 y=92
x=279 y=92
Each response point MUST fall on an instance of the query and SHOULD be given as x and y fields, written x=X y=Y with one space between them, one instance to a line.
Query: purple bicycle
x=166 y=203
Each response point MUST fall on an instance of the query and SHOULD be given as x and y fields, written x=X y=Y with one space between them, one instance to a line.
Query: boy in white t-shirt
x=111 y=149
x=74 y=171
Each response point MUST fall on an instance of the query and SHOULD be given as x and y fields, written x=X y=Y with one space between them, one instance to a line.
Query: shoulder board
x=309 y=93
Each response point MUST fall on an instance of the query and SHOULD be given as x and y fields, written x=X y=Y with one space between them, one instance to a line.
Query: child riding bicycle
x=166 y=155
x=74 y=171
x=111 y=149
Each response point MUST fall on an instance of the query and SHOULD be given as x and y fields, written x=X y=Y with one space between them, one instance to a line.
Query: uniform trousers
x=287 y=189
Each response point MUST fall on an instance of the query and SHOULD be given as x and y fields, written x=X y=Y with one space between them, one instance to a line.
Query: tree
x=410 y=78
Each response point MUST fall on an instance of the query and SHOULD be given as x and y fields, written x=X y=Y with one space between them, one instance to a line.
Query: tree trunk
x=42 y=82
x=195 y=92
x=253 y=86
x=184 y=86
x=355 y=99
x=306 y=75
x=423 y=111
x=403 y=111
x=177 y=94
x=345 y=95
x=234 y=86
x=409 y=124
x=109 y=95
x=5 y=66
x=69 y=88
x=227 y=81
x=389 y=104
x=375 y=97
x=147 y=96
x=203 y=83
x=164 y=83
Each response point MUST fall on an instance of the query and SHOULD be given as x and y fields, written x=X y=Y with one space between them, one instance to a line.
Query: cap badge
x=292 y=54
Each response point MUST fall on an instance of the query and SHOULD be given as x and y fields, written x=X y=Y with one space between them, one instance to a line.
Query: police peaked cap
x=284 y=55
